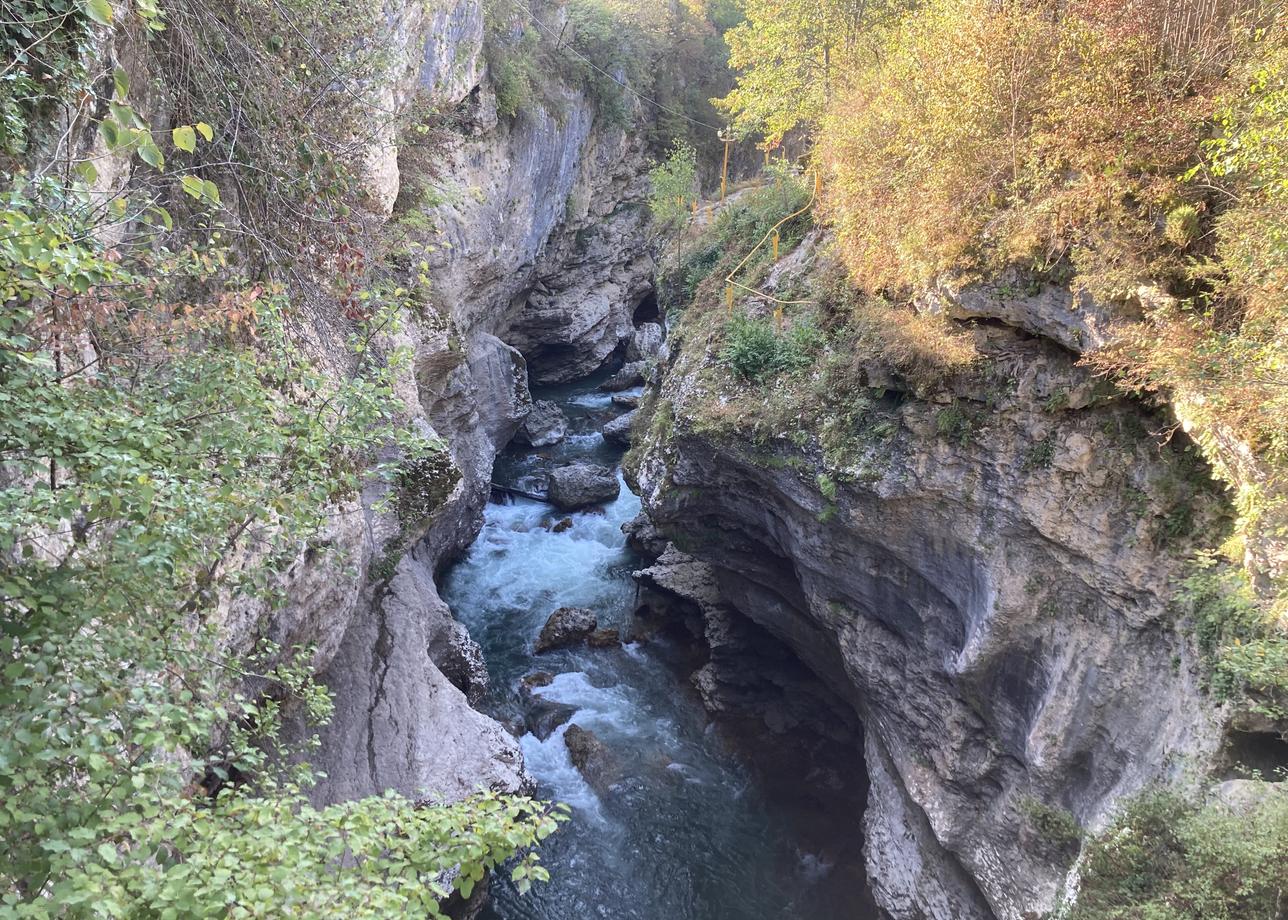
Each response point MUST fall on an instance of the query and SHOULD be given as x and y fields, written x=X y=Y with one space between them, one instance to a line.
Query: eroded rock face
x=991 y=600
x=631 y=375
x=388 y=691
x=581 y=485
x=537 y=250
x=648 y=343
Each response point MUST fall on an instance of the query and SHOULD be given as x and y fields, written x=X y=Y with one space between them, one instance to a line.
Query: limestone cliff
x=533 y=248
x=535 y=245
x=983 y=571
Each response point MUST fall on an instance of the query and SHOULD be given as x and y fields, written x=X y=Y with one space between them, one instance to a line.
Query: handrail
x=772 y=230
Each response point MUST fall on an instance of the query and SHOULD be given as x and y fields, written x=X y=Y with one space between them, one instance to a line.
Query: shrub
x=1244 y=647
x=755 y=352
x=1167 y=858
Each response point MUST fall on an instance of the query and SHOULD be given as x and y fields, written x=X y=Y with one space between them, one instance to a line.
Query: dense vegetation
x=616 y=51
x=1166 y=858
x=1133 y=151
x=171 y=438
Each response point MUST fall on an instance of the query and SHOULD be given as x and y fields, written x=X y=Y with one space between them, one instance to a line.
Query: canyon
x=900 y=658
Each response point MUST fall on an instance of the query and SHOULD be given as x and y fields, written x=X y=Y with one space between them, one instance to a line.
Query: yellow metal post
x=724 y=172
x=778 y=318
x=729 y=298
x=775 y=245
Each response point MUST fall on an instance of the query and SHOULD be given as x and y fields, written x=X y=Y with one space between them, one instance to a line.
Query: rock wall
x=536 y=249
x=984 y=576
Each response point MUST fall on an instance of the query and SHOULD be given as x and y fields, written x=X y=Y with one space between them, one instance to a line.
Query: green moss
x=1056 y=828
x=1039 y=455
x=956 y=424
x=383 y=568
x=422 y=485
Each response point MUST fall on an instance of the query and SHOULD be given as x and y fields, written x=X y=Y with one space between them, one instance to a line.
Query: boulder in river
x=545 y=716
x=626 y=400
x=566 y=626
x=544 y=425
x=618 y=431
x=631 y=375
x=580 y=485
x=531 y=681
x=604 y=638
x=591 y=757
x=648 y=342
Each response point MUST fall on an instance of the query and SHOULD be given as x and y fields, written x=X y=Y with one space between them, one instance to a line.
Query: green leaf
x=122 y=82
x=111 y=133
x=205 y=131
x=193 y=186
x=98 y=10
x=185 y=138
x=151 y=154
x=211 y=191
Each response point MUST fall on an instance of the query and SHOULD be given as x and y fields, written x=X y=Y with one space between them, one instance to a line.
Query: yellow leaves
x=98 y=10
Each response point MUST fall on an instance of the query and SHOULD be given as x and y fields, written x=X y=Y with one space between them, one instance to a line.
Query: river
x=692 y=827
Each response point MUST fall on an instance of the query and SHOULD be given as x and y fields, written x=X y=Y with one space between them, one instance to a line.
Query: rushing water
x=685 y=831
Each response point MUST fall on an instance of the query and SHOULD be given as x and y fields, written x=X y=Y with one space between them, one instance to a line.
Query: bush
x=755 y=352
x=1244 y=647
x=1166 y=858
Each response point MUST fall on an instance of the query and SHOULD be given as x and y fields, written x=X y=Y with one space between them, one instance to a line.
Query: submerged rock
x=631 y=375
x=604 y=638
x=545 y=716
x=591 y=757
x=618 y=431
x=562 y=526
x=545 y=425
x=581 y=485
x=566 y=626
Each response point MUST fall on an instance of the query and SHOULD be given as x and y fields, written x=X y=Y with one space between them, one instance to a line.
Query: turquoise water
x=687 y=830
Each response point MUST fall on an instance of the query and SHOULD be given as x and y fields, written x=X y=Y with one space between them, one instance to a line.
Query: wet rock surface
x=618 y=431
x=544 y=717
x=631 y=375
x=581 y=485
x=644 y=538
x=592 y=758
x=545 y=425
x=566 y=626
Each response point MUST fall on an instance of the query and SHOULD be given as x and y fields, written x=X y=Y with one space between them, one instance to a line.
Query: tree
x=791 y=57
x=166 y=448
x=673 y=190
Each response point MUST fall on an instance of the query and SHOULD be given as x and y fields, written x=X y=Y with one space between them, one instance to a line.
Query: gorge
x=872 y=628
